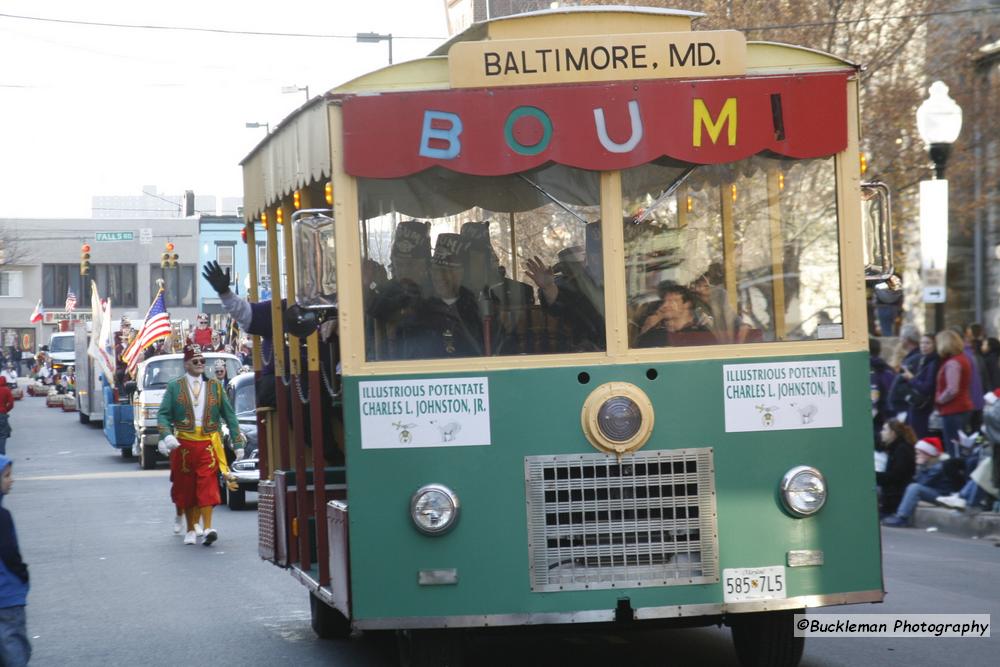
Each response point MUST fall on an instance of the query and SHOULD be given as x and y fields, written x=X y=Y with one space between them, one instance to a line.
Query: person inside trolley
x=447 y=322
x=570 y=292
x=712 y=308
x=673 y=320
x=392 y=303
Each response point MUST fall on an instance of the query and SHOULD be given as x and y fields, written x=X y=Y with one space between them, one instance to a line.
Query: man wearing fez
x=391 y=304
x=449 y=323
x=570 y=292
x=190 y=421
x=501 y=299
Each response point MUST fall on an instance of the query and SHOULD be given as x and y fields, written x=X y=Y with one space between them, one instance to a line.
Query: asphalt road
x=112 y=585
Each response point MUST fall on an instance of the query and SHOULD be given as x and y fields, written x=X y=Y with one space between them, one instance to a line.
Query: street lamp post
x=296 y=89
x=266 y=126
x=939 y=121
x=372 y=37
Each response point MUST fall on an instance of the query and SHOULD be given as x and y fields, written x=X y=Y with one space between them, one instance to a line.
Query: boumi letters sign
x=520 y=62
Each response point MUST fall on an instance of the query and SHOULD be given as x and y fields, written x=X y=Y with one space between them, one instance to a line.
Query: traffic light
x=85 y=259
x=168 y=260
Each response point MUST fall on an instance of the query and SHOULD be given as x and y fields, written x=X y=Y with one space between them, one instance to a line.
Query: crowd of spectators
x=936 y=418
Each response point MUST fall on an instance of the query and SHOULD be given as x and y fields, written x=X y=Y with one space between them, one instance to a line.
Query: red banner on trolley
x=491 y=132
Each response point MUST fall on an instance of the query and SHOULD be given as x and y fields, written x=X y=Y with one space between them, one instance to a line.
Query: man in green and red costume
x=190 y=422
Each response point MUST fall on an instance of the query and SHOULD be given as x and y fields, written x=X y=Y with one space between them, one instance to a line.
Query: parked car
x=243 y=398
x=146 y=392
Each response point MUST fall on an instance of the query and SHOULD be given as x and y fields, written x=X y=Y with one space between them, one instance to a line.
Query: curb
x=980 y=525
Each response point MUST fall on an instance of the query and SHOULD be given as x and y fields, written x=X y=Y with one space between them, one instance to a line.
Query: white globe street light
x=939 y=121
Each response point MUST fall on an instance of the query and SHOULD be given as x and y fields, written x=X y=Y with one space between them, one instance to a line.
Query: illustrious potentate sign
x=782 y=396
x=519 y=62
x=448 y=412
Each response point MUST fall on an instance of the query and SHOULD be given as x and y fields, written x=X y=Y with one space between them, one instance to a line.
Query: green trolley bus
x=575 y=333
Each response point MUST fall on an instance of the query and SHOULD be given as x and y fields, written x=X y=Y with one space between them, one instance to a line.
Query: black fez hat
x=413 y=240
x=449 y=250
x=477 y=234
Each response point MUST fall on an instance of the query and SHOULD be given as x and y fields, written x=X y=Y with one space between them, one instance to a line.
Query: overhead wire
x=222 y=31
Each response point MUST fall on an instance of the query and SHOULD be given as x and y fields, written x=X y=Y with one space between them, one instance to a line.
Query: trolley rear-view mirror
x=315 y=259
x=876 y=224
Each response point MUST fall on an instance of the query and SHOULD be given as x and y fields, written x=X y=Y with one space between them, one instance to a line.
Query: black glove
x=216 y=277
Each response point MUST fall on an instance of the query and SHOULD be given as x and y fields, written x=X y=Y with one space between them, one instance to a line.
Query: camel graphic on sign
x=448 y=431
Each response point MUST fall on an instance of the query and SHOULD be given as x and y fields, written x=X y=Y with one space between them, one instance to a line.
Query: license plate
x=740 y=584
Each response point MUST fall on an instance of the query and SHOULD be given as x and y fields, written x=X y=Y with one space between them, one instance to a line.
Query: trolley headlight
x=150 y=411
x=617 y=418
x=803 y=490
x=434 y=509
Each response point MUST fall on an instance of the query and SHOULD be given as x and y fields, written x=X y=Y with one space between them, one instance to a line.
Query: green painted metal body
x=536 y=412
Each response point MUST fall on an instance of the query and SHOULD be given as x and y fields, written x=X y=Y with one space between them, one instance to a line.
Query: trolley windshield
x=458 y=265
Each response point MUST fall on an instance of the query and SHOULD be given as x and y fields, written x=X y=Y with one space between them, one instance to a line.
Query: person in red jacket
x=952 y=396
x=202 y=334
x=6 y=405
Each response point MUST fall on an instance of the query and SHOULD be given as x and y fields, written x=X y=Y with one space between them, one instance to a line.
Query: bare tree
x=12 y=251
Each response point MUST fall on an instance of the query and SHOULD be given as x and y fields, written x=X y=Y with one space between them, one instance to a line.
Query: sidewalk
x=983 y=525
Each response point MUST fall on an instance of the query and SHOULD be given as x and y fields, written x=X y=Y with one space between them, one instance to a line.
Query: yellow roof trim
x=777 y=58
x=429 y=73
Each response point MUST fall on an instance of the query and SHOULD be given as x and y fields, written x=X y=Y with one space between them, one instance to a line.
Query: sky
x=88 y=110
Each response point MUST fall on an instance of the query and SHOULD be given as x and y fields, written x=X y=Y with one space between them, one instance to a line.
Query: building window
x=261 y=260
x=114 y=281
x=225 y=256
x=179 y=285
x=10 y=283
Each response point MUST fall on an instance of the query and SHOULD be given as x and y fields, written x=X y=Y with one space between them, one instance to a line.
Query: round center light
x=619 y=418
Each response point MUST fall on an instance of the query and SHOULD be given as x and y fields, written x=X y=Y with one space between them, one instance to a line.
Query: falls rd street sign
x=113 y=236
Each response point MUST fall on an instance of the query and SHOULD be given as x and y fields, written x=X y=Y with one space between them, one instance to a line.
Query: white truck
x=89 y=389
x=62 y=350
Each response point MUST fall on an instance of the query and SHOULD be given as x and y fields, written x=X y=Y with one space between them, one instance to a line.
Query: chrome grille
x=265 y=520
x=597 y=522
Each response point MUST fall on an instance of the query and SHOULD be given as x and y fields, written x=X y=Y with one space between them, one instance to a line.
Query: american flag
x=155 y=327
x=70 y=300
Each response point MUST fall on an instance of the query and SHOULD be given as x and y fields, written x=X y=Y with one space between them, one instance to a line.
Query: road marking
x=95 y=475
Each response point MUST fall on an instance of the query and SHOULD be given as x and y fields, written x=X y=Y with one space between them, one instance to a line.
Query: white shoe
x=210 y=537
x=178 y=525
x=198 y=530
x=190 y=538
x=953 y=501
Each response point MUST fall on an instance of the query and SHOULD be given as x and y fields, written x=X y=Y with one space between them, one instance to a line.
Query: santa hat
x=991 y=396
x=929 y=446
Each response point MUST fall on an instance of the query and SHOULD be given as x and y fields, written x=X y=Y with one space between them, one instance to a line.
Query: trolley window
x=732 y=253
x=466 y=266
